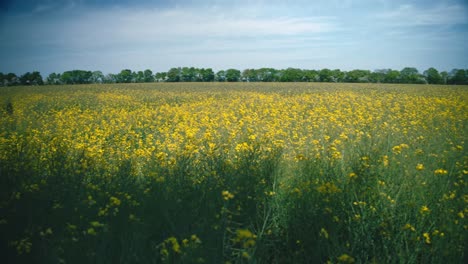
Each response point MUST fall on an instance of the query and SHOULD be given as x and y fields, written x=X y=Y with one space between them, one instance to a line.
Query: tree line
x=190 y=74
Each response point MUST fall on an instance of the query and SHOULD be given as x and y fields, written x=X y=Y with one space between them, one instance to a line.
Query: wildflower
x=324 y=233
x=245 y=237
x=195 y=239
x=409 y=227
x=440 y=172
x=114 y=201
x=352 y=175
x=175 y=244
x=91 y=231
x=385 y=160
x=424 y=209
x=227 y=195
x=23 y=246
x=96 y=224
x=419 y=167
x=345 y=258
x=427 y=238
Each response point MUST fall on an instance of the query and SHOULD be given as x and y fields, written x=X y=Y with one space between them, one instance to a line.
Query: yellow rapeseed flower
x=227 y=195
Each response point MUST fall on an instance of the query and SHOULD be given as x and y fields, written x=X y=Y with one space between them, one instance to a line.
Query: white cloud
x=410 y=15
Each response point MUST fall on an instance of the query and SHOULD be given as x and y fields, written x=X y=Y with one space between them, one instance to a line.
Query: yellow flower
x=114 y=201
x=427 y=238
x=324 y=233
x=440 y=172
x=227 y=195
x=345 y=258
x=420 y=167
x=424 y=209
x=91 y=231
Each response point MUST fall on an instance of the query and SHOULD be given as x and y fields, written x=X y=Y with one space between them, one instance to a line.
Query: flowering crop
x=290 y=172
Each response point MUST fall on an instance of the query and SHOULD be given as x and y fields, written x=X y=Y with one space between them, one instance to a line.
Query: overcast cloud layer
x=55 y=36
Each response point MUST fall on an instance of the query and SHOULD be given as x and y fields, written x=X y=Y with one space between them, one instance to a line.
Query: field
x=234 y=173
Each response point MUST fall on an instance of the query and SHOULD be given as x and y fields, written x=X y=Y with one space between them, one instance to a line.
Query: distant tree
x=76 y=77
x=411 y=75
x=96 y=77
x=138 y=77
x=291 y=75
x=310 y=76
x=220 y=76
x=249 y=75
x=268 y=75
x=444 y=76
x=110 y=78
x=160 y=76
x=148 y=76
x=392 y=76
x=173 y=75
x=357 y=76
x=207 y=75
x=377 y=76
x=125 y=76
x=337 y=75
x=325 y=75
x=458 y=76
x=2 y=77
x=29 y=78
x=233 y=75
x=53 y=79
x=188 y=74
x=433 y=76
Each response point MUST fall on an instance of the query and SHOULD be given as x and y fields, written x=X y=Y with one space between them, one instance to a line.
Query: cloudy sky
x=110 y=35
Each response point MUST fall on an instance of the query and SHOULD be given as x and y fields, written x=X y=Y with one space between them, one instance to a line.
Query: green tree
x=358 y=76
x=148 y=76
x=221 y=76
x=188 y=74
x=97 y=77
x=249 y=75
x=392 y=76
x=160 y=76
x=411 y=75
x=53 y=78
x=377 y=76
x=325 y=75
x=33 y=78
x=291 y=75
x=233 y=75
x=76 y=77
x=125 y=76
x=310 y=76
x=444 y=76
x=458 y=76
x=173 y=75
x=207 y=75
x=110 y=78
x=433 y=76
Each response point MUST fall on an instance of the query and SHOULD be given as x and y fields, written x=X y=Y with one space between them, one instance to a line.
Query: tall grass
x=233 y=173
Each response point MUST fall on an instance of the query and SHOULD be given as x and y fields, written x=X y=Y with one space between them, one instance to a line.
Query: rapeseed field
x=234 y=173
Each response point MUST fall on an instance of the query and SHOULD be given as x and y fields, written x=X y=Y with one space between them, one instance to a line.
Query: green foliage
x=191 y=74
x=232 y=75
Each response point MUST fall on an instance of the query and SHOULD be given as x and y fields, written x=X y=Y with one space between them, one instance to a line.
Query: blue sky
x=55 y=36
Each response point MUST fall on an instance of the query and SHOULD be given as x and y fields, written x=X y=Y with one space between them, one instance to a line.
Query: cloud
x=410 y=15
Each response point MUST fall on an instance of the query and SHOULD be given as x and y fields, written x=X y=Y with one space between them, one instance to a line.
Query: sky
x=111 y=35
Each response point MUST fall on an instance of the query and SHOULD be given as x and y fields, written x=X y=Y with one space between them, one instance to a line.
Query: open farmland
x=234 y=173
